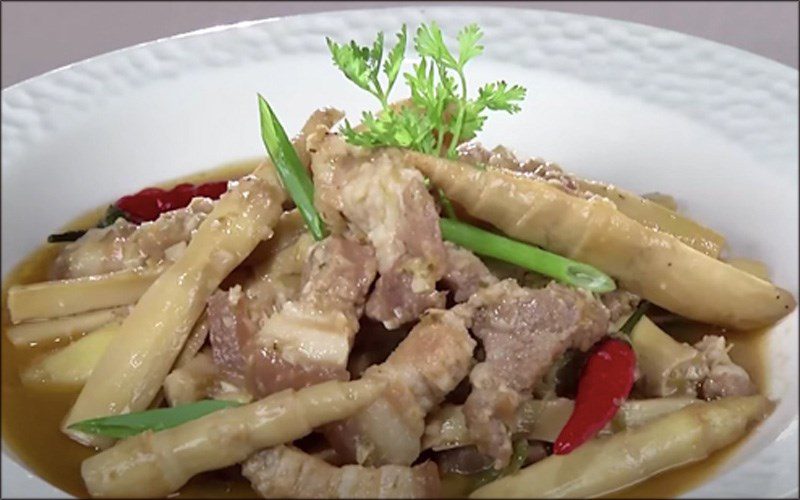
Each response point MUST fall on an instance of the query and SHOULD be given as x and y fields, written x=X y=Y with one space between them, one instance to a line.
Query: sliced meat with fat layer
x=429 y=363
x=374 y=195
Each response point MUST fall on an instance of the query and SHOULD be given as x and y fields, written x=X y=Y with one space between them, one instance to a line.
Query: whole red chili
x=148 y=204
x=605 y=382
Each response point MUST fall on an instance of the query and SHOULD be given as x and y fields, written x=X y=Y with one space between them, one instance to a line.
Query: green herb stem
x=541 y=261
x=630 y=323
x=290 y=169
x=66 y=236
x=130 y=424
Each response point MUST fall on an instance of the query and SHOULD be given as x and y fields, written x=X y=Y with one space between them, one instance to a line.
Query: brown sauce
x=31 y=418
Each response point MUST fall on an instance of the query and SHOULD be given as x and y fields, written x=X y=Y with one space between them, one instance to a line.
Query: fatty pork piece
x=466 y=273
x=372 y=193
x=308 y=340
x=286 y=472
x=523 y=331
x=723 y=377
x=124 y=245
x=428 y=364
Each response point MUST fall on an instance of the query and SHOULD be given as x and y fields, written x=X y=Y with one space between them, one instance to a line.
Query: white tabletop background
x=40 y=36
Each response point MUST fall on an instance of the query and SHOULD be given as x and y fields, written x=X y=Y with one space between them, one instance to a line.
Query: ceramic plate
x=644 y=108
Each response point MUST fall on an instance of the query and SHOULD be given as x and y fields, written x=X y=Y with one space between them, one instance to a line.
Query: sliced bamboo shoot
x=667 y=367
x=652 y=264
x=659 y=217
x=605 y=465
x=31 y=333
x=154 y=465
x=70 y=367
x=129 y=375
x=53 y=299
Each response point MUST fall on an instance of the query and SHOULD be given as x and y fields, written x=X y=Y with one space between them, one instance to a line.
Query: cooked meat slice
x=231 y=330
x=123 y=245
x=523 y=332
x=725 y=378
x=310 y=338
x=320 y=122
x=620 y=303
x=284 y=472
x=261 y=350
x=429 y=363
x=374 y=195
x=466 y=273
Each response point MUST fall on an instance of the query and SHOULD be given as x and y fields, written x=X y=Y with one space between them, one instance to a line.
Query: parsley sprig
x=441 y=112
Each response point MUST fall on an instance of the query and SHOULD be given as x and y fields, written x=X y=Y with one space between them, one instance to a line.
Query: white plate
x=645 y=108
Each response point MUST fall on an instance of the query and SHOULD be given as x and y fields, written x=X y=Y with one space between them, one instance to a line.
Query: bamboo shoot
x=652 y=264
x=53 y=299
x=605 y=465
x=659 y=217
x=31 y=333
x=152 y=465
x=129 y=375
x=70 y=367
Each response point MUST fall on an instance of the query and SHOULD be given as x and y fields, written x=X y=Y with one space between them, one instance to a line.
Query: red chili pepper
x=149 y=203
x=605 y=382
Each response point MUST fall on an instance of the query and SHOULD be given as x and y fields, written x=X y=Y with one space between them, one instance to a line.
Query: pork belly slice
x=374 y=195
x=523 y=331
x=308 y=339
x=124 y=245
x=429 y=363
x=466 y=273
x=286 y=472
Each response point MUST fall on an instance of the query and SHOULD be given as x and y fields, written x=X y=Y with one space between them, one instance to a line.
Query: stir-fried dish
x=391 y=309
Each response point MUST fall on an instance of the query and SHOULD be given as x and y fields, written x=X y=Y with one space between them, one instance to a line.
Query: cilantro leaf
x=500 y=97
x=352 y=61
x=440 y=109
x=391 y=68
x=429 y=42
x=468 y=47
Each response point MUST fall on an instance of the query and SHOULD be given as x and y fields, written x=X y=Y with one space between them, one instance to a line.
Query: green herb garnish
x=112 y=214
x=516 y=462
x=631 y=322
x=290 y=169
x=527 y=256
x=130 y=424
x=440 y=109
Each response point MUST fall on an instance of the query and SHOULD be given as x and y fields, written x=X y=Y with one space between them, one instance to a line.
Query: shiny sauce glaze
x=31 y=418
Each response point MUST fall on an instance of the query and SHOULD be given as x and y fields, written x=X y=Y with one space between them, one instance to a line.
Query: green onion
x=527 y=256
x=290 y=169
x=112 y=214
x=67 y=236
x=635 y=317
x=515 y=464
x=130 y=424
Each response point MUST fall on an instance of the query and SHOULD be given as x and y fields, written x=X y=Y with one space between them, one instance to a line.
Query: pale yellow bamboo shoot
x=53 y=299
x=34 y=332
x=656 y=216
x=153 y=465
x=131 y=372
x=605 y=465
x=652 y=264
x=69 y=368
